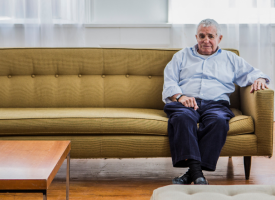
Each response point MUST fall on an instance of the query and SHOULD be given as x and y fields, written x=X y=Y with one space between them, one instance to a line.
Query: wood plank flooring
x=135 y=179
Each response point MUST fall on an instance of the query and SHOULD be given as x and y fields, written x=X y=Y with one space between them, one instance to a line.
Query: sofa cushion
x=240 y=124
x=130 y=121
x=59 y=121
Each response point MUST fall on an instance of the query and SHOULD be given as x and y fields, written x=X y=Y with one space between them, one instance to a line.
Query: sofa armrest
x=260 y=105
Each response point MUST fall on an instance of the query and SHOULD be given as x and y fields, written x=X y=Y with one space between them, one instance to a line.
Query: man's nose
x=206 y=40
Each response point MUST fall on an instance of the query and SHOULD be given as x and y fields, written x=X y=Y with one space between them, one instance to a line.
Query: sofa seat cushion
x=240 y=124
x=60 y=121
x=75 y=121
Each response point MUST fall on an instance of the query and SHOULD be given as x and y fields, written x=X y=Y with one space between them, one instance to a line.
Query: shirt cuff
x=169 y=92
x=266 y=79
x=255 y=77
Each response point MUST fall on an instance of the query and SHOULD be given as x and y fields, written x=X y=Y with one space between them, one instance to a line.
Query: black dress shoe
x=184 y=179
x=201 y=181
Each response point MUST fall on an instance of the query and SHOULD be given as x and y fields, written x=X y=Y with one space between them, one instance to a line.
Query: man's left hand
x=258 y=84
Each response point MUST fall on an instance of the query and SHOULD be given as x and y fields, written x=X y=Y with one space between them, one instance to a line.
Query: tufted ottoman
x=214 y=192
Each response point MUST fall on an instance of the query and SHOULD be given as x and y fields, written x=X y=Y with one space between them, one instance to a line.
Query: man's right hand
x=188 y=102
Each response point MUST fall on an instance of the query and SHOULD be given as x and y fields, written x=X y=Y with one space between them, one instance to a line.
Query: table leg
x=45 y=195
x=68 y=177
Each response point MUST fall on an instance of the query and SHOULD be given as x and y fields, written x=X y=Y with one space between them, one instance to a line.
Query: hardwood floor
x=135 y=179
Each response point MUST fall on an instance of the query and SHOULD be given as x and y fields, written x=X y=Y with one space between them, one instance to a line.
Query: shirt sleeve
x=171 y=78
x=245 y=74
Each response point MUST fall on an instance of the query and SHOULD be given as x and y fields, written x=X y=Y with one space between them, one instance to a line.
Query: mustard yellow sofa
x=108 y=103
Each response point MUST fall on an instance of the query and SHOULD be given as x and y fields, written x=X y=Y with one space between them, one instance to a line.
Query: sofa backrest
x=84 y=77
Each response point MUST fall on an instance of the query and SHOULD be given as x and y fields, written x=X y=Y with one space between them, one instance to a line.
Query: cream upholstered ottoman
x=215 y=192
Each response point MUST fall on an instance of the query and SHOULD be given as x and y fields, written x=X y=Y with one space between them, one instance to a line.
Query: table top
x=30 y=165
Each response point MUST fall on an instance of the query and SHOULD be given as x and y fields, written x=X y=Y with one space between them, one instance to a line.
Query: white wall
x=128 y=37
x=129 y=11
x=160 y=36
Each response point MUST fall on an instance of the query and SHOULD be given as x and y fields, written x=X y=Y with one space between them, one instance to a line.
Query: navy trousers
x=204 y=143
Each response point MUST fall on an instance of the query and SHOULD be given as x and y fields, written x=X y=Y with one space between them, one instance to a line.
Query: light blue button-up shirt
x=209 y=78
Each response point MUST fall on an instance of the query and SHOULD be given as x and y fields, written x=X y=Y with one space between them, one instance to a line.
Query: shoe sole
x=178 y=183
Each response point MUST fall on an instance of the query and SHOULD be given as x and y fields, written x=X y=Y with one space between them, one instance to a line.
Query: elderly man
x=197 y=84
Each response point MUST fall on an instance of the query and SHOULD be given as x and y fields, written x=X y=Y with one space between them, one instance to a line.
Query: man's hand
x=188 y=102
x=258 y=84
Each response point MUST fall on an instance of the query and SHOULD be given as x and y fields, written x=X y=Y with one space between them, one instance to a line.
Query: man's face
x=207 y=39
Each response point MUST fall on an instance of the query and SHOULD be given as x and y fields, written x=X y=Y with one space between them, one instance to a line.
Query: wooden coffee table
x=30 y=166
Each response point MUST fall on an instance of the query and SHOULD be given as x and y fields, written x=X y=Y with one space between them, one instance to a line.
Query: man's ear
x=220 y=38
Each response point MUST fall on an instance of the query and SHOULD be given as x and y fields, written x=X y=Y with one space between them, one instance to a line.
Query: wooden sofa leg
x=247 y=166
